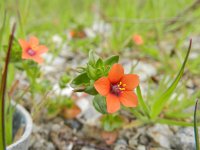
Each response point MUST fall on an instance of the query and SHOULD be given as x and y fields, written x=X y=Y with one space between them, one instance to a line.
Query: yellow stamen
x=122 y=89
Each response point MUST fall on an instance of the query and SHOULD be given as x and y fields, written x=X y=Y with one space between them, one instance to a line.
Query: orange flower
x=137 y=39
x=118 y=88
x=32 y=50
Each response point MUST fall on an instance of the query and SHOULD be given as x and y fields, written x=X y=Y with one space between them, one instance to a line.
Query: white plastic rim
x=27 y=132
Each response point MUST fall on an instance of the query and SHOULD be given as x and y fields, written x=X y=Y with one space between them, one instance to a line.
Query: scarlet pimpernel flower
x=32 y=50
x=118 y=88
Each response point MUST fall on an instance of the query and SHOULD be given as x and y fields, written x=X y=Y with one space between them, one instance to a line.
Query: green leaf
x=196 y=126
x=174 y=122
x=111 y=60
x=179 y=115
x=142 y=103
x=99 y=103
x=90 y=90
x=81 y=79
x=160 y=102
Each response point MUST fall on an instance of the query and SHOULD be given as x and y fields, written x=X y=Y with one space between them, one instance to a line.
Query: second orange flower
x=32 y=50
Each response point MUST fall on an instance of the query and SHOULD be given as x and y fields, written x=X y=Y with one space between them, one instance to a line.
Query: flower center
x=31 y=52
x=118 y=88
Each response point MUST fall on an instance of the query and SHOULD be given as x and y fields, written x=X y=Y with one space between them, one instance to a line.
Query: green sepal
x=99 y=103
x=99 y=63
x=90 y=90
x=91 y=72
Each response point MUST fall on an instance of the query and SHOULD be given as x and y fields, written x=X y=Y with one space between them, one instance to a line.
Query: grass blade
x=196 y=134
x=159 y=103
x=2 y=28
x=142 y=103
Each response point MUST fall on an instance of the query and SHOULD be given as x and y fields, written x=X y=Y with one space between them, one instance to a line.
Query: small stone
x=184 y=139
x=58 y=61
x=55 y=127
x=143 y=139
x=57 y=40
x=161 y=134
x=120 y=147
x=121 y=141
x=129 y=133
x=141 y=147
x=87 y=148
x=133 y=142
x=50 y=146
x=73 y=123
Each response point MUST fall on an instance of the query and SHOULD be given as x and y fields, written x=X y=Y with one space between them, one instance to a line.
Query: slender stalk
x=196 y=126
x=3 y=91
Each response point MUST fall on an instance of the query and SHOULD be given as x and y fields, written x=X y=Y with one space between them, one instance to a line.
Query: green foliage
x=111 y=122
x=161 y=101
x=95 y=69
x=162 y=108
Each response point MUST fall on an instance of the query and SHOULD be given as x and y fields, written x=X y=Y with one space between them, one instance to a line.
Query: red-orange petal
x=113 y=103
x=41 y=49
x=25 y=55
x=102 y=85
x=116 y=73
x=131 y=81
x=25 y=45
x=33 y=41
x=128 y=99
x=38 y=59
